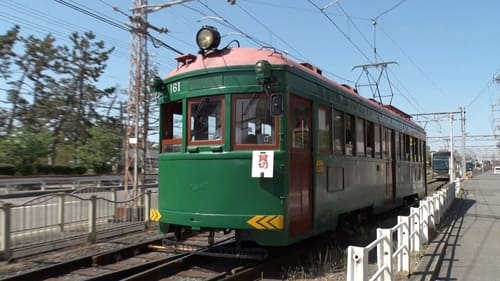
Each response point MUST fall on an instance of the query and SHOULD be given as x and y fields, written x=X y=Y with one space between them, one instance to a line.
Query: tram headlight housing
x=156 y=84
x=263 y=71
x=208 y=39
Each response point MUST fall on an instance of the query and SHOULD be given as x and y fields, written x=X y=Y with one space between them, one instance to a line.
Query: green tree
x=36 y=66
x=25 y=149
x=101 y=150
x=76 y=94
x=7 y=43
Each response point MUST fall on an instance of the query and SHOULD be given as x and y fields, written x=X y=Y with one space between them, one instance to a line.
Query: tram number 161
x=174 y=87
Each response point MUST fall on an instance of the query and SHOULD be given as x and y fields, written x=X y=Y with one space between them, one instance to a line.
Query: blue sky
x=447 y=52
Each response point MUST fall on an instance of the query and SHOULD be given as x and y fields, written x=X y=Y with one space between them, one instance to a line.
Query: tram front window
x=254 y=124
x=440 y=164
x=205 y=119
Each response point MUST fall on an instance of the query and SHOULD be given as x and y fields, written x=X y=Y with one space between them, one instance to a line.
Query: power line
x=355 y=26
x=90 y=12
x=232 y=26
x=340 y=30
x=94 y=15
x=271 y=31
x=390 y=9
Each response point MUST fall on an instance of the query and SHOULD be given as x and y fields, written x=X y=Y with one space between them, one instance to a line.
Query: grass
x=319 y=263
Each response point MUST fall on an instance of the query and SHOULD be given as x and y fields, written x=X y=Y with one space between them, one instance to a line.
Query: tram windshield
x=205 y=119
x=253 y=123
x=440 y=164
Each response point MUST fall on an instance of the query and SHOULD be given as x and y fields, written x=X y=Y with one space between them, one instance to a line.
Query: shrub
x=79 y=170
x=26 y=169
x=7 y=169
x=103 y=169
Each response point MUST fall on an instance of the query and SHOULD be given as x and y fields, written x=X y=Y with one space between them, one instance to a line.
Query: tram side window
x=338 y=132
x=407 y=148
x=378 y=141
x=324 y=129
x=370 y=139
x=397 y=146
x=349 y=135
x=423 y=157
x=171 y=127
x=253 y=124
x=205 y=119
x=414 y=149
x=360 y=137
x=388 y=143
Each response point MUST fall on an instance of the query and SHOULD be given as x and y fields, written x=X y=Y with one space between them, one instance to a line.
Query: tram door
x=300 y=206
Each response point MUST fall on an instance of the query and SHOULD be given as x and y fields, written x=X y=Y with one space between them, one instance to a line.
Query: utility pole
x=136 y=141
x=137 y=91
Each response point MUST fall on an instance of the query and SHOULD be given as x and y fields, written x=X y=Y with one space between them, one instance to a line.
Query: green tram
x=254 y=142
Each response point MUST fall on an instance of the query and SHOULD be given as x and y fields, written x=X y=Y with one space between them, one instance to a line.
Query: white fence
x=59 y=220
x=395 y=246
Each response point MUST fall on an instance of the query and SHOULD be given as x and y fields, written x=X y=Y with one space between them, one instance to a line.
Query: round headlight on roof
x=208 y=38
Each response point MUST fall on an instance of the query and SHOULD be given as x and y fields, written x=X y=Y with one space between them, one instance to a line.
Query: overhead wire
x=304 y=58
x=112 y=22
x=95 y=15
x=33 y=14
x=341 y=31
x=390 y=9
x=233 y=27
x=355 y=25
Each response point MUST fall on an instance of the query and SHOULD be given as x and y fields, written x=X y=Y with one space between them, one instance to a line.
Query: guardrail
x=9 y=184
x=394 y=255
x=60 y=219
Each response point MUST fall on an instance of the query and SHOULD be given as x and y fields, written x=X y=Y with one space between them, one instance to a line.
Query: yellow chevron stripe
x=254 y=221
x=272 y=222
x=154 y=214
x=277 y=222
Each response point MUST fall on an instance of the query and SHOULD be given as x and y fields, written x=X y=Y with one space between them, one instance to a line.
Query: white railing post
x=415 y=229
x=60 y=211
x=446 y=197
x=92 y=231
x=432 y=211
x=384 y=252
x=442 y=203
x=412 y=231
x=5 y=235
x=452 y=190
x=357 y=264
x=437 y=209
x=425 y=220
x=404 y=242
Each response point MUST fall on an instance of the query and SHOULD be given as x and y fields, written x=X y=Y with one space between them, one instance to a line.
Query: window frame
x=264 y=146
x=196 y=100
x=328 y=113
x=167 y=132
x=339 y=135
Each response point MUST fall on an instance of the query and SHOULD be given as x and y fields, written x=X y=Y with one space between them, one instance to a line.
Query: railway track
x=194 y=259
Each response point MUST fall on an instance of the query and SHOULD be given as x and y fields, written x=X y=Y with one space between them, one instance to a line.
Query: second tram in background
x=255 y=142
x=441 y=161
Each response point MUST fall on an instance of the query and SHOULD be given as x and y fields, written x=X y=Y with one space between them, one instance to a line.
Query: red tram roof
x=231 y=57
